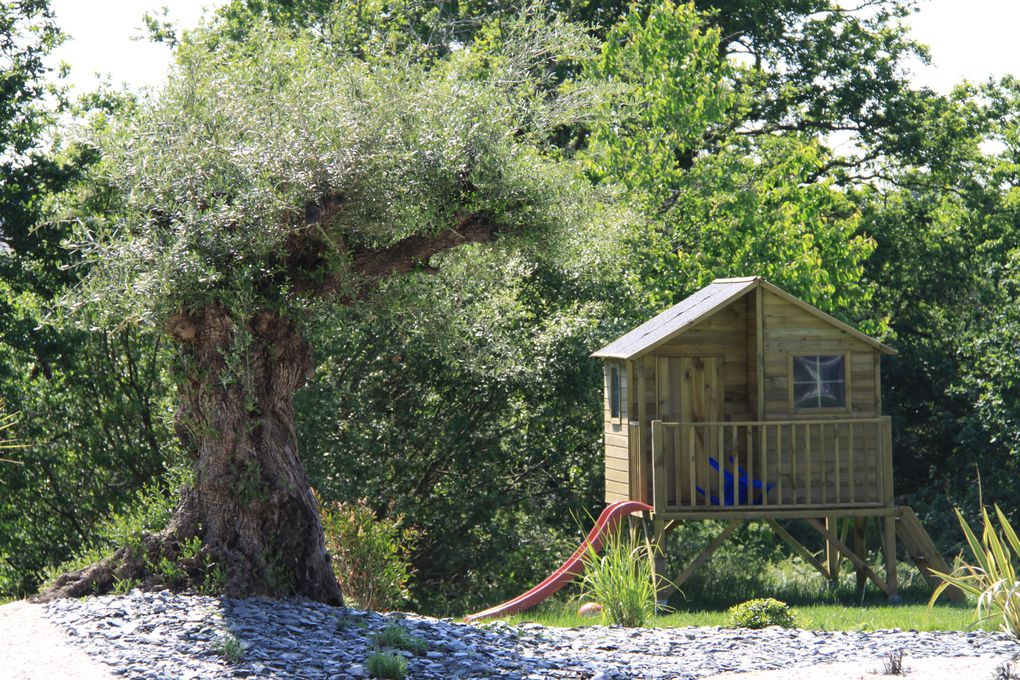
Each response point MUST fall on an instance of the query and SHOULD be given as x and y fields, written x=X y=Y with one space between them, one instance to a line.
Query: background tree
x=90 y=402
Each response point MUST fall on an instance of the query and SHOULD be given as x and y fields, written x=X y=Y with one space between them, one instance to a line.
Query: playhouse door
x=691 y=391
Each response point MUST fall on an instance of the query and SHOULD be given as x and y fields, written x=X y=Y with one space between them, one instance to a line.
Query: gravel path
x=161 y=635
x=31 y=648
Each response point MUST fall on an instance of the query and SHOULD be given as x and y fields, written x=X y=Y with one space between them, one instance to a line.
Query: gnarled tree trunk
x=250 y=503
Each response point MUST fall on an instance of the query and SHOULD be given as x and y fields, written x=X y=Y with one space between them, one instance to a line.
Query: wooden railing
x=779 y=464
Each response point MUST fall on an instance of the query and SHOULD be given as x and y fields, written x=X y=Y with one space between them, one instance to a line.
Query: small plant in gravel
x=388 y=666
x=123 y=586
x=993 y=579
x=621 y=579
x=893 y=663
x=229 y=648
x=396 y=637
x=762 y=613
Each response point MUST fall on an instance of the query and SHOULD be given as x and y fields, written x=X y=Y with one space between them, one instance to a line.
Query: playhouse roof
x=703 y=304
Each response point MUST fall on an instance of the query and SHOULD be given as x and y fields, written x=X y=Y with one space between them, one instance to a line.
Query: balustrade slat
x=693 y=469
x=720 y=452
x=733 y=462
x=852 y=468
x=779 y=464
x=763 y=437
x=839 y=486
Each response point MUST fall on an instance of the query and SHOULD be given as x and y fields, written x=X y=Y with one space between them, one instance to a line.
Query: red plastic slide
x=606 y=522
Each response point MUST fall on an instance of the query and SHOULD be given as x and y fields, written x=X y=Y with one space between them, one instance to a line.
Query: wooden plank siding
x=791 y=330
x=723 y=335
x=615 y=436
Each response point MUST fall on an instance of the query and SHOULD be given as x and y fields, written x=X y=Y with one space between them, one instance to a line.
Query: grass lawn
x=821 y=616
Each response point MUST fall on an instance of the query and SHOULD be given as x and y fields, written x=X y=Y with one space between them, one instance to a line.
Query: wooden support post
x=658 y=468
x=657 y=542
x=831 y=554
x=889 y=548
x=861 y=547
x=759 y=351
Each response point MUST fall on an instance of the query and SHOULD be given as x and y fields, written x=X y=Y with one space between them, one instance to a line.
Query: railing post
x=658 y=468
x=887 y=471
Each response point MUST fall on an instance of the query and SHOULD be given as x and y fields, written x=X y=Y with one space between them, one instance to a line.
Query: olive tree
x=269 y=178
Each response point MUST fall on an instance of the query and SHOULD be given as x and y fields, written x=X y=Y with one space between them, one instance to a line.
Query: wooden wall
x=790 y=329
x=617 y=457
x=724 y=335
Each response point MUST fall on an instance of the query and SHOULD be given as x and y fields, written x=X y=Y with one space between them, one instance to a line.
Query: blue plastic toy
x=747 y=489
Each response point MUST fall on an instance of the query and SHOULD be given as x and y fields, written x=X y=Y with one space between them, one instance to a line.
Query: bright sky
x=970 y=39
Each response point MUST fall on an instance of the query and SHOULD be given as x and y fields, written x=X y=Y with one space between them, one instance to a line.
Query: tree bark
x=250 y=503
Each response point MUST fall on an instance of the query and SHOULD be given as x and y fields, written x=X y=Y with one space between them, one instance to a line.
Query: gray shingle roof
x=677 y=317
x=704 y=303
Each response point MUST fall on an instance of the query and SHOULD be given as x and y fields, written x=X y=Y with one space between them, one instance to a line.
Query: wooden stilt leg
x=889 y=548
x=831 y=554
x=657 y=541
x=861 y=548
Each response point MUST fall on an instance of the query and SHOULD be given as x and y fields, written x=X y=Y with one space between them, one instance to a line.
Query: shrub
x=993 y=579
x=762 y=613
x=371 y=555
x=389 y=666
x=621 y=579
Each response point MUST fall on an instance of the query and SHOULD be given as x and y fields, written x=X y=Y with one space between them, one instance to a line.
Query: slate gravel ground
x=172 y=636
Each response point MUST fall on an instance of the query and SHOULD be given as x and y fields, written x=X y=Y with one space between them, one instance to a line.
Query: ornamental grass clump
x=762 y=613
x=992 y=579
x=622 y=579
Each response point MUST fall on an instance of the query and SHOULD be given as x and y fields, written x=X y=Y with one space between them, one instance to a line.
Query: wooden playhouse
x=743 y=403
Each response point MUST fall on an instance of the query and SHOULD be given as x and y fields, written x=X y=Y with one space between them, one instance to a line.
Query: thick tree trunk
x=250 y=503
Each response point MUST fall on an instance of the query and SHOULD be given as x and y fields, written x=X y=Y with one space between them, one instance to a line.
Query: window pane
x=819 y=382
x=832 y=394
x=831 y=368
x=614 y=391
x=805 y=395
x=804 y=369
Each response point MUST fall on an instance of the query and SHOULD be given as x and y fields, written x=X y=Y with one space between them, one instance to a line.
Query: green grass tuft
x=388 y=666
x=229 y=648
x=396 y=637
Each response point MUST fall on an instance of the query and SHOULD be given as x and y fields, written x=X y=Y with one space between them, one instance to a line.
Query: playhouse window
x=614 y=391
x=819 y=381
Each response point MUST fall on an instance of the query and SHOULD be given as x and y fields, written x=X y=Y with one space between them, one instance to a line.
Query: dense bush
x=762 y=613
x=371 y=555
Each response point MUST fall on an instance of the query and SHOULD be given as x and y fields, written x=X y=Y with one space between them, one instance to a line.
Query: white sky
x=971 y=39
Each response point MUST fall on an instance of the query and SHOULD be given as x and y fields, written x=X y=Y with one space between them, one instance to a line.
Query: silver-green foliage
x=622 y=578
x=262 y=168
